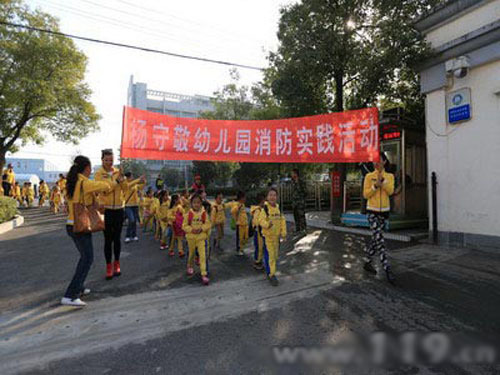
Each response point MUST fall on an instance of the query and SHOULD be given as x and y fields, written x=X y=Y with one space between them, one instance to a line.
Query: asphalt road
x=154 y=320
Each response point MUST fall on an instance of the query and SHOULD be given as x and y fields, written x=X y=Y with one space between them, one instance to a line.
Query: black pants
x=113 y=220
x=83 y=243
x=377 y=244
x=6 y=188
x=299 y=216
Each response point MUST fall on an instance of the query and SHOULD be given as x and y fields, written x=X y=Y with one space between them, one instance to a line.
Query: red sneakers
x=181 y=254
x=190 y=271
x=109 y=271
x=117 y=270
x=171 y=253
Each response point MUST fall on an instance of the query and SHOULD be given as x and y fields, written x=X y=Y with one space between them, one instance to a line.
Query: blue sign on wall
x=459 y=106
x=461 y=113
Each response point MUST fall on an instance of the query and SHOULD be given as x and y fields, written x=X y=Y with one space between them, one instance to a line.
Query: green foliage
x=41 y=83
x=220 y=173
x=336 y=54
x=173 y=177
x=136 y=167
x=7 y=209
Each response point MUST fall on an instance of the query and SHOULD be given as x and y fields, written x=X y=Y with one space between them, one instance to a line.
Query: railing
x=352 y=196
x=317 y=197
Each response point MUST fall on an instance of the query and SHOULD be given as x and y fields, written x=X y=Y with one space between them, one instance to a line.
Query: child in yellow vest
x=16 y=193
x=258 y=241
x=146 y=205
x=55 y=199
x=155 y=209
x=186 y=204
x=273 y=227
x=44 y=193
x=176 y=220
x=196 y=225
x=163 y=218
x=239 y=214
x=140 y=195
x=28 y=194
x=218 y=219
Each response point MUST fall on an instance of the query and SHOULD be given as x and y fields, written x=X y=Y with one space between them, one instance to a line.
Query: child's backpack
x=179 y=219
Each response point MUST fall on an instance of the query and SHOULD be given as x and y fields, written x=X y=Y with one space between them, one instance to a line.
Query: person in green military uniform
x=299 y=194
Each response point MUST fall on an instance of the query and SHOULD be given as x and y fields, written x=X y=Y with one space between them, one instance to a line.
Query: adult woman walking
x=113 y=203
x=81 y=189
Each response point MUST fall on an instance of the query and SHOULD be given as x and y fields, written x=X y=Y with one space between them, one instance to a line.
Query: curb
x=364 y=232
x=9 y=225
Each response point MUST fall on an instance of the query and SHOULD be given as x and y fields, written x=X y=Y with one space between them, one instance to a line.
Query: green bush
x=7 y=209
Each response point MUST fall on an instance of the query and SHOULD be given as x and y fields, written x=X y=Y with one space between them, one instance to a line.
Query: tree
x=347 y=54
x=136 y=167
x=172 y=177
x=41 y=83
x=207 y=171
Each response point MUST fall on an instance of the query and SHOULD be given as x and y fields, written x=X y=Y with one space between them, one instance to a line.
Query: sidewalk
x=322 y=220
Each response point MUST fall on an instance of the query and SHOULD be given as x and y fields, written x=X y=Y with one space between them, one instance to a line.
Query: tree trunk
x=337 y=203
x=339 y=90
x=2 y=162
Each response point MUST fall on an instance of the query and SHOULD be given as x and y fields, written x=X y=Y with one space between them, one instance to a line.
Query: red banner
x=346 y=137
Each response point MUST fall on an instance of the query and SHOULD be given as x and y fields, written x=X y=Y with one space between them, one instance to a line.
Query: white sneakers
x=86 y=292
x=127 y=240
x=136 y=238
x=77 y=302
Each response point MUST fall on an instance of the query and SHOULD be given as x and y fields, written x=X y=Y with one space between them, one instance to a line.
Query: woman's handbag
x=87 y=219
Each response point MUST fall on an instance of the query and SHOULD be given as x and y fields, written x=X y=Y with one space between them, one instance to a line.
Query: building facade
x=461 y=83
x=171 y=104
x=44 y=169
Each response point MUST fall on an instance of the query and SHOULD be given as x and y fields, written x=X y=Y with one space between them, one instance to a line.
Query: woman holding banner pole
x=377 y=189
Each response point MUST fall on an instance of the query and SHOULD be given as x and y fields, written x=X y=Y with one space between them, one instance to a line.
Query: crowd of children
x=192 y=220
x=26 y=195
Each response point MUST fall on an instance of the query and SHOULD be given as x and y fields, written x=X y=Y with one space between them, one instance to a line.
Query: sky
x=239 y=31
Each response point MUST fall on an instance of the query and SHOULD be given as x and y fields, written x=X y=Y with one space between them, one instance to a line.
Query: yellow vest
x=378 y=198
x=90 y=188
x=112 y=199
x=240 y=214
x=196 y=222
x=274 y=216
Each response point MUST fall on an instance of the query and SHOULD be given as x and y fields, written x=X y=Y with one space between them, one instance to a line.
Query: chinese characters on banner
x=346 y=137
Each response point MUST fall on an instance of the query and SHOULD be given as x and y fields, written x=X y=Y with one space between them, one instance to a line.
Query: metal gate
x=317 y=199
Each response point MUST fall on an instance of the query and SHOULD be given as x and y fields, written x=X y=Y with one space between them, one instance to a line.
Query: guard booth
x=404 y=145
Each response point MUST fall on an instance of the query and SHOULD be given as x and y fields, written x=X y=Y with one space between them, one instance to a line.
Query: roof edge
x=444 y=13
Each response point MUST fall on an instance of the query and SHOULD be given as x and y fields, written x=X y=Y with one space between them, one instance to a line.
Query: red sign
x=345 y=137
x=336 y=186
x=392 y=135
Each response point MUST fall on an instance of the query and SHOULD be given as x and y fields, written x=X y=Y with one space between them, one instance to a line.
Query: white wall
x=472 y=20
x=466 y=157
